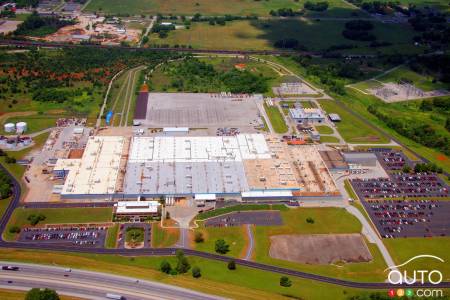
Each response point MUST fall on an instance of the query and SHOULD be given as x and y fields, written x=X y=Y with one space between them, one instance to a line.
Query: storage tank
x=21 y=127
x=10 y=127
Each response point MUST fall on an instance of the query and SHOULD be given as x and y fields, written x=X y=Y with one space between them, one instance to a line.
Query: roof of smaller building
x=334 y=117
x=370 y=155
x=137 y=207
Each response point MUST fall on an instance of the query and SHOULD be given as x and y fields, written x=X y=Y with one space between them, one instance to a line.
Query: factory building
x=95 y=174
x=307 y=115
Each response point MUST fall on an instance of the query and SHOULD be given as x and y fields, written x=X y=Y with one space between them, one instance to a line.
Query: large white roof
x=96 y=172
x=199 y=149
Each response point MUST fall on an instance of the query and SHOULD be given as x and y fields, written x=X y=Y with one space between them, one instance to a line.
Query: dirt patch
x=320 y=248
x=6 y=116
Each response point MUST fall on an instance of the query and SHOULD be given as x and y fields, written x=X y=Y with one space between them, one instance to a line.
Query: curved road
x=171 y=251
x=92 y=285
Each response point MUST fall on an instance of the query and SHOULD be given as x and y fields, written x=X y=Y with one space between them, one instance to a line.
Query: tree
x=14 y=229
x=196 y=272
x=231 y=265
x=199 y=237
x=310 y=220
x=39 y=294
x=406 y=169
x=222 y=247
x=165 y=267
x=183 y=264
x=34 y=219
x=285 y=281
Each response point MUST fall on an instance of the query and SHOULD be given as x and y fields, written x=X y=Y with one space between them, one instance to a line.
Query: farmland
x=261 y=35
x=208 y=7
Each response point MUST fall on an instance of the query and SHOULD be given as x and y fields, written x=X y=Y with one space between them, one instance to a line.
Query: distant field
x=190 y=7
x=211 y=7
x=261 y=35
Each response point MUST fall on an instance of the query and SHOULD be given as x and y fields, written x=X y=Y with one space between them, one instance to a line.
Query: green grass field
x=111 y=236
x=35 y=123
x=242 y=283
x=326 y=221
x=329 y=139
x=190 y=7
x=351 y=128
x=241 y=207
x=164 y=237
x=261 y=35
x=58 y=216
x=276 y=118
x=324 y=129
x=421 y=81
x=403 y=249
x=233 y=236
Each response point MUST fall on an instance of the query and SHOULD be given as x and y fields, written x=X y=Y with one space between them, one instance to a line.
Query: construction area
x=198 y=110
x=320 y=249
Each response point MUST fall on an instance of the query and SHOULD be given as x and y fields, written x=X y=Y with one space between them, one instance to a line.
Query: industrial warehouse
x=243 y=166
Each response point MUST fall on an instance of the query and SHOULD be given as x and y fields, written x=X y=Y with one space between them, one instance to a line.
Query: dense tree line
x=284 y=12
x=358 y=30
x=197 y=76
x=437 y=66
x=36 y=25
x=5 y=185
x=316 y=6
x=422 y=133
x=433 y=28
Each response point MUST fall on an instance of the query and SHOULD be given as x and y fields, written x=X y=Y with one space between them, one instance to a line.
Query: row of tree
x=422 y=133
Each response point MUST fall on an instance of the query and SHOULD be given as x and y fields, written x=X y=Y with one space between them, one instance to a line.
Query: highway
x=92 y=285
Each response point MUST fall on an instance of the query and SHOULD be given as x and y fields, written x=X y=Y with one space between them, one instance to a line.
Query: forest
x=67 y=76
x=197 y=76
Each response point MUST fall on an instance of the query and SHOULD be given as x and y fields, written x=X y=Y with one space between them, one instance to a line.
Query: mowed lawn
x=326 y=221
x=190 y=7
x=58 y=216
x=234 y=236
x=35 y=123
x=403 y=249
x=14 y=295
x=261 y=35
x=351 y=128
x=276 y=118
x=164 y=237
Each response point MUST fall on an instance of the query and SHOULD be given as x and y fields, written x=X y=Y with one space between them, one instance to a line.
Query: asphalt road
x=92 y=285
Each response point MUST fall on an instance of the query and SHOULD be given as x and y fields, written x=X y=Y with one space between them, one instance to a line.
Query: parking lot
x=391 y=160
x=420 y=218
x=80 y=236
x=263 y=218
x=401 y=186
